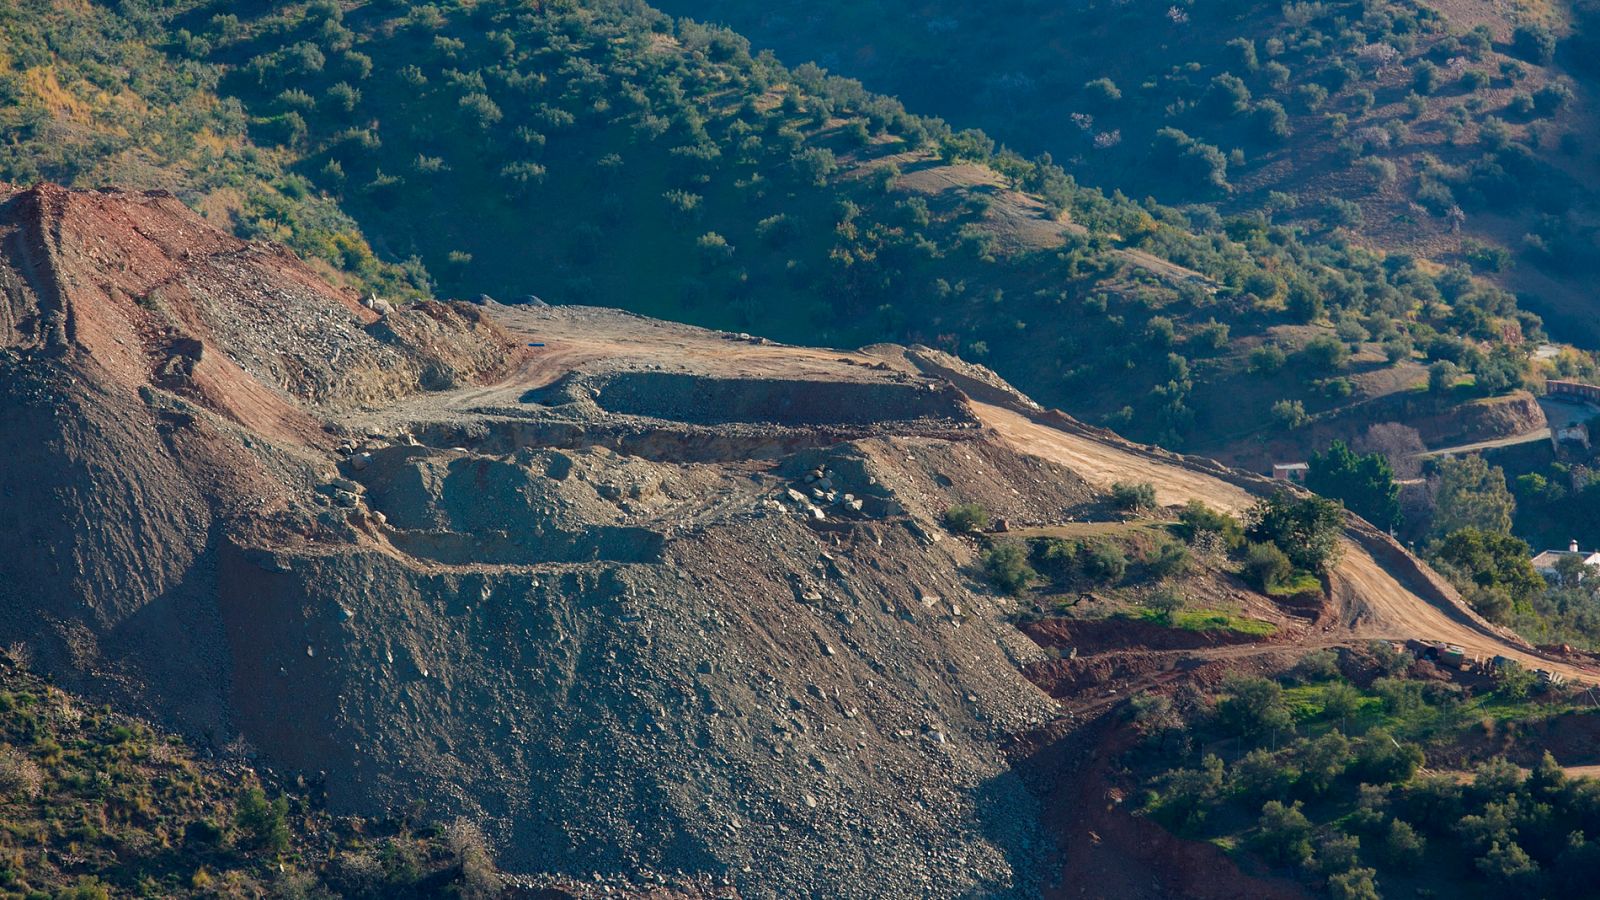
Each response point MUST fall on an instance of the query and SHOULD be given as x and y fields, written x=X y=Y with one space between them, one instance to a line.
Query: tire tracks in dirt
x=1374 y=602
x=1382 y=591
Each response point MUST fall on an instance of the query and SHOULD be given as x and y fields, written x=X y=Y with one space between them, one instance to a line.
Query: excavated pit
x=667 y=441
x=461 y=508
x=702 y=400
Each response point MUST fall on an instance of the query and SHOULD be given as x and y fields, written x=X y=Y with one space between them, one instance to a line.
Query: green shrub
x=1338 y=853
x=1133 y=497
x=1508 y=864
x=1196 y=519
x=1318 y=665
x=1102 y=93
x=1165 y=602
x=1513 y=681
x=1290 y=413
x=1254 y=706
x=87 y=887
x=1284 y=835
x=203 y=834
x=1354 y=884
x=1102 y=562
x=1267 y=359
x=1191 y=792
x=1169 y=558
x=966 y=518
x=1534 y=43
x=1007 y=567
x=1266 y=567
x=1261 y=775
x=1442 y=376
x=263 y=824
x=1325 y=353
x=1402 y=845
x=1339 y=702
x=1306 y=529
x=1365 y=483
x=1054 y=557
x=1380 y=759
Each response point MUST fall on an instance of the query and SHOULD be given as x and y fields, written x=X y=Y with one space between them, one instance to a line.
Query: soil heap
x=645 y=598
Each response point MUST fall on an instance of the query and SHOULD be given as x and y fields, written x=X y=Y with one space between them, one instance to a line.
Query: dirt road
x=573 y=337
x=1373 y=601
x=1557 y=412
x=1374 y=597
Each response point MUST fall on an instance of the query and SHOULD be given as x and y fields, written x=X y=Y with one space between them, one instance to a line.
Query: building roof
x=1546 y=561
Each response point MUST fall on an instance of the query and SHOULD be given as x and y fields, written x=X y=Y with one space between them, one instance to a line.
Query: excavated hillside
x=641 y=597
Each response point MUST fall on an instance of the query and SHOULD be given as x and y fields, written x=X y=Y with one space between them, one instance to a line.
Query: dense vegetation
x=94 y=805
x=1448 y=130
x=601 y=152
x=91 y=96
x=1364 y=482
x=732 y=191
x=1317 y=774
x=1142 y=568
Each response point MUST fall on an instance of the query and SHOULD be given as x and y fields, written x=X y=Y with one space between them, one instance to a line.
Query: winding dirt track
x=1375 y=600
x=575 y=337
x=1374 y=603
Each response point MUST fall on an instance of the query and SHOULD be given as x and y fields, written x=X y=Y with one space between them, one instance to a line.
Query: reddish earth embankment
x=1108 y=851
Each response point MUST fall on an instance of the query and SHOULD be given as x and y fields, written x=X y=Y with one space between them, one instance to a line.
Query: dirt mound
x=161 y=385
x=703 y=622
x=139 y=284
x=642 y=599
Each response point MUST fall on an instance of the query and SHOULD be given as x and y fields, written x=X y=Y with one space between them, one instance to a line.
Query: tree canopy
x=1491 y=560
x=1365 y=483
x=1306 y=529
x=1469 y=493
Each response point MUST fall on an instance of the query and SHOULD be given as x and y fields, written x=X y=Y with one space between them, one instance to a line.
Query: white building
x=1545 y=563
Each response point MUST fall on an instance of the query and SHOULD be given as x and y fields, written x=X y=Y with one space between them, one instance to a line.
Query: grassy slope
x=1020 y=70
x=603 y=154
x=95 y=804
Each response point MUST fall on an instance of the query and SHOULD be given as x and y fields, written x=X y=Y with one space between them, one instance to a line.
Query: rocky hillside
x=587 y=609
x=637 y=597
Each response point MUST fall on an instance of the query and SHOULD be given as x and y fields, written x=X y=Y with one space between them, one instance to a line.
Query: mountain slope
x=1452 y=131
x=427 y=624
x=605 y=154
x=643 y=598
x=602 y=153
